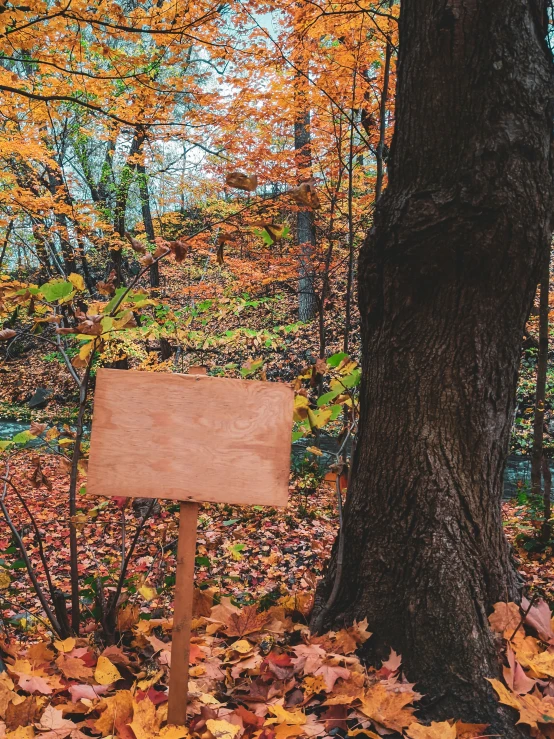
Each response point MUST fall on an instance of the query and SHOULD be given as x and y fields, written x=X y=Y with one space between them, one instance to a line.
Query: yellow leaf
x=145 y=723
x=504 y=695
x=106 y=672
x=543 y=664
x=147 y=592
x=365 y=732
x=77 y=281
x=287 y=732
x=242 y=646
x=222 y=729
x=174 y=732
x=318 y=419
x=442 y=730
x=67 y=645
x=84 y=352
x=22 y=732
x=388 y=707
x=118 y=707
x=5 y=580
x=301 y=405
x=282 y=716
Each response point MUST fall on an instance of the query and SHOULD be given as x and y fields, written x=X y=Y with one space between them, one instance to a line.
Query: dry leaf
x=505 y=619
x=442 y=730
x=106 y=672
x=387 y=707
x=241 y=181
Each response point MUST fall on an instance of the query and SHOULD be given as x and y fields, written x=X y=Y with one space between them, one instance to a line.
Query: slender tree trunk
x=58 y=189
x=446 y=281
x=383 y=124
x=147 y=218
x=305 y=226
x=350 y=274
x=121 y=198
x=6 y=242
x=540 y=396
x=165 y=347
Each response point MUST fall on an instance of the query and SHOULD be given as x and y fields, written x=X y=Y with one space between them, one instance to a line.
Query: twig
x=533 y=599
x=38 y=589
x=119 y=588
x=37 y=532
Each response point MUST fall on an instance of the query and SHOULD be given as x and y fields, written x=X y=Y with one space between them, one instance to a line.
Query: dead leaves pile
x=254 y=674
x=529 y=672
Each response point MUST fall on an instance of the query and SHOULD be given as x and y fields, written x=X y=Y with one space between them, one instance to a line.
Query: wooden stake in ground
x=193 y=439
x=182 y=615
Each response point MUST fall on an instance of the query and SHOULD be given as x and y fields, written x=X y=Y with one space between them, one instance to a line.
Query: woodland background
x=188 y=185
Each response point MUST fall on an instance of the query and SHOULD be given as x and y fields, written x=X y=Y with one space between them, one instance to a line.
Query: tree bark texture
x=305 y=226
x=537 y=451
x=446 y=281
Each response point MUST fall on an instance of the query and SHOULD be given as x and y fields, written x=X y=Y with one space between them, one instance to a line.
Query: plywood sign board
x=190 y=438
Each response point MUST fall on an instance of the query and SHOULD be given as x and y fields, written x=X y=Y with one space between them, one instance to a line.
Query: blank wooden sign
x=190 y=438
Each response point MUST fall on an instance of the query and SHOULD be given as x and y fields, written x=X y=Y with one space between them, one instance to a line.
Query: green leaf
x=5 y=444
x=23 y=437
x=335 y=359
x=231 y=521
x=118 y=293
x=352 y=379
x=297 y=435
x=202 y=561
x=56 y=289
x=328 y=397
x=335 y=412
x=19 y=565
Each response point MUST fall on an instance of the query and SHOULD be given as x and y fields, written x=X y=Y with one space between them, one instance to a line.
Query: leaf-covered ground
x=256 y=671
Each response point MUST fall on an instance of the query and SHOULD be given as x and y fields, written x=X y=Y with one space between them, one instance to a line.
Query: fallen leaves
x=388 y=708
x=106 y=672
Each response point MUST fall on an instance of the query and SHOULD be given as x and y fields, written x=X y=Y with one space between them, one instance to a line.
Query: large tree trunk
x=446 y=280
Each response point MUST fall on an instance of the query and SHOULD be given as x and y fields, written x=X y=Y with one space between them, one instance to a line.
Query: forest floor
x=256 y=670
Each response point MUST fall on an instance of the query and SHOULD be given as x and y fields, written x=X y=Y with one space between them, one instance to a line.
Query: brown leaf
x=179 y=250
x=161 y=248
x=37 y=428
x=242 y=181
x=306 y=195
x=202 y=599
x=108 y=287
x=247 y=621
x=7 y=333
x=136 y=245
x=73 y=667
x=90 y=328
x=22 y=714
x=37 y=477
x=127 y=617
x=505 y=618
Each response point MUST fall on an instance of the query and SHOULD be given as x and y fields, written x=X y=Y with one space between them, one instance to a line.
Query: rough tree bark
x=165 y=347
x=446 y=281
x=537 y=452
x=305 y=225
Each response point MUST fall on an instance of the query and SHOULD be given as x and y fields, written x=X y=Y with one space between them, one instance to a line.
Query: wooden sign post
x=194 y=439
